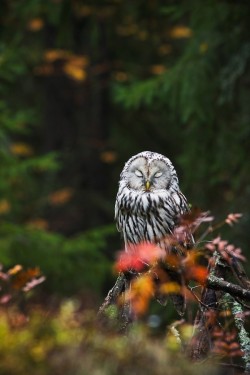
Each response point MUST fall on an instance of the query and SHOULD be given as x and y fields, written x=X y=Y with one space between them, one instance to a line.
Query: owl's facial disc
x=147 y=177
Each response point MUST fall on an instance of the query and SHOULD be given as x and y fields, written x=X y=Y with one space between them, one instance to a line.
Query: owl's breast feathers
x=149 y=217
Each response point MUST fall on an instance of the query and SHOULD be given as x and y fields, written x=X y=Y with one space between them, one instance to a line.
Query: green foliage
x=205 y=85
x=27 y=173
x=71 y=265
x=22 y=172
x=132 y=96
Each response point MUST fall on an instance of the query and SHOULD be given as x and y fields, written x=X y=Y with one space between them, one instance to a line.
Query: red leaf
x=138 y=257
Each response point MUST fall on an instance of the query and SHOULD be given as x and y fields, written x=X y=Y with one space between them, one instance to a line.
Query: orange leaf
x=60 y=197
x=225 y=313
x=108 y=157
x=55 y=54
x=197 y=273
x=173 y=260
x=35 y=24
x=5 y=206
x=21 y=149
x=21 y=278
x=180 y=31
x=79 y=61
x=140 y=293
x=158 y=69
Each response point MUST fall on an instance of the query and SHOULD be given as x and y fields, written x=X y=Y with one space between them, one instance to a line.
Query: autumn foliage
x=218 y=326
x=150 y=264
x=213 y=325
x=17 y=281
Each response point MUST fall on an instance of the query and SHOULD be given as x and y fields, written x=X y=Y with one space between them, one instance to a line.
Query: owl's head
x=149 y=172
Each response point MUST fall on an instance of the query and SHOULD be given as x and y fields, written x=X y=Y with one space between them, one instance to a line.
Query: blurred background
x=84 y=85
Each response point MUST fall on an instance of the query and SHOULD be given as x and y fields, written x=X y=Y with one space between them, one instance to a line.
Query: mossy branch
x=216 y=283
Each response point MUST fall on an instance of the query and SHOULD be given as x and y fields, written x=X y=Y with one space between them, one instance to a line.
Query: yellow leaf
x=4 y=206
x=170 y=288
x=143 y=285
x=140 y=294
x=75 y=72
x=186 y=331
x=180 y=31
x=61 y=196
x=173 y=339
x=17 y=268
x=38 y=352
x=21 y=149
x=225 y=313
x=56 y=54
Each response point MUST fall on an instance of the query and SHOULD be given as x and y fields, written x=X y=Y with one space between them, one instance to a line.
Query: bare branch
x=216 y=283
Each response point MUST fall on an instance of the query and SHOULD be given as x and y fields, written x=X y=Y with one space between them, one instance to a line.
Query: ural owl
x=149 y=202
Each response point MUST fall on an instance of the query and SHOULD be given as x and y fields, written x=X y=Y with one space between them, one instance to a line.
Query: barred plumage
x=148 y=214
x=149 y=201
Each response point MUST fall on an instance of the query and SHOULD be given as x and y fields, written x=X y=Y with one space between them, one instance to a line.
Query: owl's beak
x=147 y=185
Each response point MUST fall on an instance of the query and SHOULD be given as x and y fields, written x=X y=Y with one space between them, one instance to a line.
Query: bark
x=216 y=283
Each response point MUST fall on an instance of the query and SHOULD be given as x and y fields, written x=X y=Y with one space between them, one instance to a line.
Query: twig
x=197 y=298
x=117 y=297
x=113 y=294
x=216 y=283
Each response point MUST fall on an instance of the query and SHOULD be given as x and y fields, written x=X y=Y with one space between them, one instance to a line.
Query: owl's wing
x=119 y=217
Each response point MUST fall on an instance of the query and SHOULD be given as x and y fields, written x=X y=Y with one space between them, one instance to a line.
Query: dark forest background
x=83 y=87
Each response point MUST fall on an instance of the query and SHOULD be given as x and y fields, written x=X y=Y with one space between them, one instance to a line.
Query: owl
x=149 y=202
